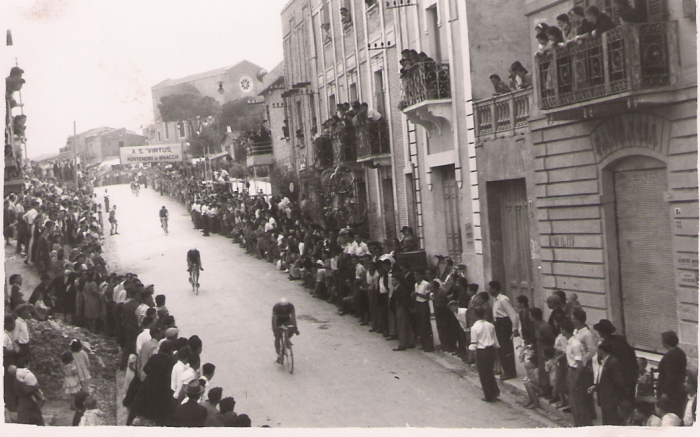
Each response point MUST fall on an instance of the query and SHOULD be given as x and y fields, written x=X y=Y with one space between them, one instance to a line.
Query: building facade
x=99 y=144
x=243 y=80
x=588 y=181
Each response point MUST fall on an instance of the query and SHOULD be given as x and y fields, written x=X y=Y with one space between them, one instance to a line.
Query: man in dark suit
x=191 y=414
x=609 y=384
x=624 y=353
x=672 y=369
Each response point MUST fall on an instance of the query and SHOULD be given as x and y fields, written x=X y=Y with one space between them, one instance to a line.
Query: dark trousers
x=441 y=322
x=132 y=391
x=485 y=359
x=110 y=321
x=506 y=353
x=610 y=415
x=383 y=313
x=425 y=329
x=578 y=398
x=403 y=328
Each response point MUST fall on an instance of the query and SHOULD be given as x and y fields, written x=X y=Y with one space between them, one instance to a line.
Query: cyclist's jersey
x=193 y=257
x=163 y=213
x=283 y=312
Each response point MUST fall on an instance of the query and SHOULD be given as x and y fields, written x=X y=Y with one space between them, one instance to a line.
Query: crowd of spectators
x=59 y=230
x=565 y=360
x=576 y=26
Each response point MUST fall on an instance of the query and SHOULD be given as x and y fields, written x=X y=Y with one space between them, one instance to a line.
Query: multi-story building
x=243 y=80
x=588 y=181
x=96 y=145
x=344 y=51
x=275 y=150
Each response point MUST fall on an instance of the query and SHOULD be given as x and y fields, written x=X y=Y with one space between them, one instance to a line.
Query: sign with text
x=153 y=153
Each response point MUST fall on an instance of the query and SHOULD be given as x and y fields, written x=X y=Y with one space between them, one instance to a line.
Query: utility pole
x=75 y=157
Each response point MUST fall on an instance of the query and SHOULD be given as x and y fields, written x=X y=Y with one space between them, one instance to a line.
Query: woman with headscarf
x=154 y=400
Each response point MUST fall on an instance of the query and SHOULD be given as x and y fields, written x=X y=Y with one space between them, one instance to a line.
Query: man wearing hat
x=191 y=414
x=624 y=353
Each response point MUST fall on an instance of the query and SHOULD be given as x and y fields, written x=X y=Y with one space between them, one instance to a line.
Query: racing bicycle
x=194 y=278
x=286 y=351
x=164 y=224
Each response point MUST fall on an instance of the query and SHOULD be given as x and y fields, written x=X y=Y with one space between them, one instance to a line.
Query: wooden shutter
x=657 y=10
x=326 y=14
x=644 y=237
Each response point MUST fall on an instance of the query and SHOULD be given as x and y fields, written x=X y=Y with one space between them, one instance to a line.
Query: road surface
x=344 y=376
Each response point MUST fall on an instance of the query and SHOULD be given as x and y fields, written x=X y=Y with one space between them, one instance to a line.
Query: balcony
x=323 y=151
x=259 y=153
x=625 y=63
x=427 y=96
x=503 y=115
x=372 y=140
x=344 y=145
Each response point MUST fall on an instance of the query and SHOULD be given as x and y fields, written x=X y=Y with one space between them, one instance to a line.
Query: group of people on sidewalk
x=566 y=361
x=79 y=290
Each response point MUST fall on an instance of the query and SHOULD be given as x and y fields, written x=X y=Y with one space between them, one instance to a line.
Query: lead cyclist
x=193 y=260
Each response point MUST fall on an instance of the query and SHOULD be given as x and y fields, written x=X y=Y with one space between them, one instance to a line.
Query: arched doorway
x=641 y=253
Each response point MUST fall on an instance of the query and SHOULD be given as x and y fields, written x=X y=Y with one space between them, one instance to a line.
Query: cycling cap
x=284 y=301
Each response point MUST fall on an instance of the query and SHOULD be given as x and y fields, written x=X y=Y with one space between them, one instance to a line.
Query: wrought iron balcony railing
x=425 y=81
x=372 y=139
x=262 y=148
x=344 y=144
x=631 y=57
x=323 y=151
x=502 y=115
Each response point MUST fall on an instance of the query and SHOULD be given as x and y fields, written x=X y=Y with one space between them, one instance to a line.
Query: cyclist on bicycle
x=283 y=314
x=163 y=213
x=193 y=260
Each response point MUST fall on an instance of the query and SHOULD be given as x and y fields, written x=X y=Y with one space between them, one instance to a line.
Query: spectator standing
x=506 y=324
x=672 y=369
x=577 y=383
x=191 y=414
x=421 y=296
x=499 y=87
x=558 y=314
x=485 y=343
x=214 y=416
x=624 y=353
x=600 y=21
x=30 y=396
x=402 y=302
x=610 y=385
x=691 y=404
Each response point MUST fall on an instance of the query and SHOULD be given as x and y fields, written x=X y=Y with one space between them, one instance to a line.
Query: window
x=353 y=92
x=165 y=129
x=432 y=19
x=379 y=92
x=121 y=143
x=312 y=107
x=181 y=129
x=331 y=105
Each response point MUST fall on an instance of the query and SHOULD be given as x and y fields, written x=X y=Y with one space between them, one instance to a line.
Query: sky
x=94 y=61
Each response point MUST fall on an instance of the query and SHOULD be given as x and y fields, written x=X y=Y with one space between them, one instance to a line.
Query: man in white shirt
x=577 y=383
x=505 y=320
x=145 y=335
x=589 y=342
x=360 y=248
x=176 y=375
x=485 y=343
x=422 y=298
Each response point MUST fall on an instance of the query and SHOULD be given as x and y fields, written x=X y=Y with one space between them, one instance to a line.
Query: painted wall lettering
x=630 y=130
x=563 y=240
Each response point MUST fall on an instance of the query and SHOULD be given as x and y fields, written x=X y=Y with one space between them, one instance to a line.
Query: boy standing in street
x=485 y=343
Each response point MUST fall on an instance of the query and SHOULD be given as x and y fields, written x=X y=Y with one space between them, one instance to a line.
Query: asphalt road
x=344 y=376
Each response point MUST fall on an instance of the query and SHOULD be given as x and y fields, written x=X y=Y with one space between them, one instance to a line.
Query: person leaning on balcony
x=499 y=86
x=600 y=20
x=520 y=75
x=627 y=13
x=540 y=29
x=567 y=30
x=578 y=20
x=371 y=113
x=555 y=36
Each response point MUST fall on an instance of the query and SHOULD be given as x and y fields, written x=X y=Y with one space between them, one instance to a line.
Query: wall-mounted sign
x=153 y=153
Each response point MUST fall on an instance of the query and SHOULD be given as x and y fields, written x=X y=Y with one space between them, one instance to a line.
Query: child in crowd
x=80 y=398
x=71 y=382
x=320 y=291
x=559 y=388
x=82 y=362
x=532 y=387
x=528 y=357
x=645 y=386
x=92 y=416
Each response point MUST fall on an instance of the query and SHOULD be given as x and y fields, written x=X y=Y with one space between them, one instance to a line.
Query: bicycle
x=164 y=224
x=194 y=278
x=286 y=351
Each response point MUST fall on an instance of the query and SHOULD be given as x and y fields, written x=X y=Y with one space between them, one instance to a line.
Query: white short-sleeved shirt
x=483 y=335
x=574 y=351
x=176 y=377
x=422 y=290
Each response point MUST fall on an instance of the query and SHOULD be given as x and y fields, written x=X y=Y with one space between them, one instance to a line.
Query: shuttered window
x=645 y=256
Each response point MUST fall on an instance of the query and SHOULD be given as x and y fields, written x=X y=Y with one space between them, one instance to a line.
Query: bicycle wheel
x=288 y=353
x=196 y=281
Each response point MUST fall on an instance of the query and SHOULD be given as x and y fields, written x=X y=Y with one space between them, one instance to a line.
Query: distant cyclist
x=163 y=213
x=283 y=314
x=194 y=261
